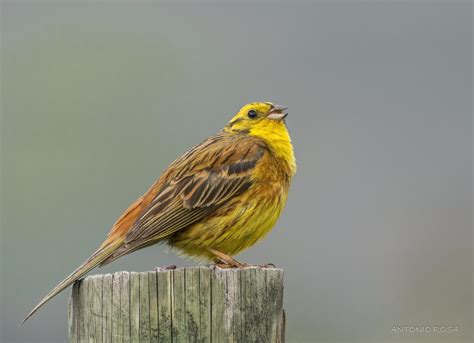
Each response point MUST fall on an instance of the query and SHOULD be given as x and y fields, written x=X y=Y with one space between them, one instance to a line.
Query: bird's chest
x=250 y=220
x=246 y=218
x=255 y=214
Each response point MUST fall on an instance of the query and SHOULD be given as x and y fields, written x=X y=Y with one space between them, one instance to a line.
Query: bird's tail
x=99 y=256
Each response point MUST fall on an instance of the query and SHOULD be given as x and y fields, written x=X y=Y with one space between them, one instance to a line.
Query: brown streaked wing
x=190 y=196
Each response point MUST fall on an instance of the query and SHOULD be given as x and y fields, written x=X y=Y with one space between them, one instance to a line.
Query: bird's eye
x=252 y=114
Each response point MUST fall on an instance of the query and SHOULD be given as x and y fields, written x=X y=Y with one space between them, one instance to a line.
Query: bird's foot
x=230 y=265
x=162 y=269
x=225 y=261
x=226 y=265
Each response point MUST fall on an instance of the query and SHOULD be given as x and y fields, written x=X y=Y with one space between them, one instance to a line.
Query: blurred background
x=99 y=97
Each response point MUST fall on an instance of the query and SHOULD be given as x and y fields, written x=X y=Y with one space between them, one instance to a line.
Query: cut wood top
x=195 y=304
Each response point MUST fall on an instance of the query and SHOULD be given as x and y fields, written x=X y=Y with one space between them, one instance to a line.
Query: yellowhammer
x=216 y=200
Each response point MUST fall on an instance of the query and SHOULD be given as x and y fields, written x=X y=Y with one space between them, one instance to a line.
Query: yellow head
x=258 y=119
x=266 y=121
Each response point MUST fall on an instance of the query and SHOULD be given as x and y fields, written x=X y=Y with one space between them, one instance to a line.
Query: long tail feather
x=99 y=256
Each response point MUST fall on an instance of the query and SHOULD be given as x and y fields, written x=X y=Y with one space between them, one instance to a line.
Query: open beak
x=277 y=112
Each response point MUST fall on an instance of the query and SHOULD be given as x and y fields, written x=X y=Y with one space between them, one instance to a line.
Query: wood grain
x=197 y=304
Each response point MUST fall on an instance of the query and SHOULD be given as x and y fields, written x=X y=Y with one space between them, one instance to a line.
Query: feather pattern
x=223 y=195
x=196 y=184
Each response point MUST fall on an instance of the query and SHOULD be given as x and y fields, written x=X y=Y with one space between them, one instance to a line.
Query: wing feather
x=202 y=180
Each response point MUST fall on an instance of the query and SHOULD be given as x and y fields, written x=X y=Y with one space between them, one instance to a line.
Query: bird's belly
x=235 y=227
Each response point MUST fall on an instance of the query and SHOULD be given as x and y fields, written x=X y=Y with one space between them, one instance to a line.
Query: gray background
x=98 y=98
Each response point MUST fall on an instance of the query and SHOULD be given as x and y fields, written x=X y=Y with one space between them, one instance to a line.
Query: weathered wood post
x=198 y=304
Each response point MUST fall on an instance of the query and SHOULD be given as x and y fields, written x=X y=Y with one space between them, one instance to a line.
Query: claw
x=231 y=265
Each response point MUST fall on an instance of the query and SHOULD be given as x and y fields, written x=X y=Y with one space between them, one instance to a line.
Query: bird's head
x=267 y=122
x=259 y=119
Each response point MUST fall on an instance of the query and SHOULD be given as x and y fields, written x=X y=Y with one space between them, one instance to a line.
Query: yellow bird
x=216 y=200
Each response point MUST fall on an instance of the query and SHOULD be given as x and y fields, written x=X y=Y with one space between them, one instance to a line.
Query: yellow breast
x=247 y=218
x=244 y=220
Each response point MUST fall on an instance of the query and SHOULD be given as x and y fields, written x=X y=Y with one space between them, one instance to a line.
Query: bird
x=216 y=200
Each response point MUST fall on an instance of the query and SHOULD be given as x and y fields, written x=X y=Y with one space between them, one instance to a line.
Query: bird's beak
x=277 y=112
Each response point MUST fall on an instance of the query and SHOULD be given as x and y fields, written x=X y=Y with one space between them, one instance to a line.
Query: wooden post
x=198 y=304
